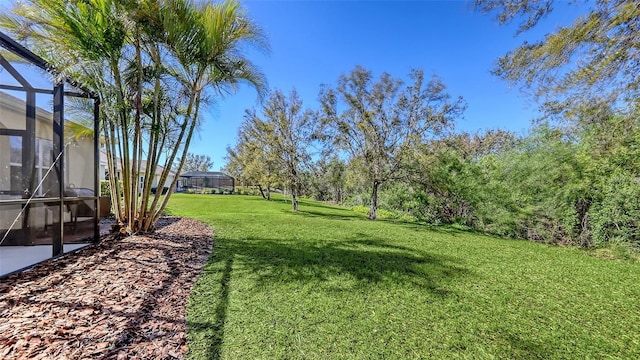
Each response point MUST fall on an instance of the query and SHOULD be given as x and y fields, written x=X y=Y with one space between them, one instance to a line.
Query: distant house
x=104 y=172
x=198 y=180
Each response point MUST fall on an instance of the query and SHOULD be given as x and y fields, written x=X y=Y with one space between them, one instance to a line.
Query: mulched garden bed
x=120 y=298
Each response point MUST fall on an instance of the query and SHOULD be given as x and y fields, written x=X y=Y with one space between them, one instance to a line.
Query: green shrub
x=385 y=214
x=616 y=218
x=105 y=187
x=360 y=209
x=359 y=199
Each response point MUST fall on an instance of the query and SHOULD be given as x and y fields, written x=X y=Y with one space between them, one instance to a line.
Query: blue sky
x=314 y=42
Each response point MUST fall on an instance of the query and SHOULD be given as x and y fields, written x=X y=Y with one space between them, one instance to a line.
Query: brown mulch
x=118 y=299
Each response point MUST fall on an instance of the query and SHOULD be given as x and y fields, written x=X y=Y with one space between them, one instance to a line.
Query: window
x=43 y=160
x=15 y=164
x=16 y=149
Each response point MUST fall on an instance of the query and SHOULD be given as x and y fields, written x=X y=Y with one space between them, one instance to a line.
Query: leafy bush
x=360 y=199
x=616 y=218
x=408 y=202
x=105 y=187
x=548 y=188
x=385 y=214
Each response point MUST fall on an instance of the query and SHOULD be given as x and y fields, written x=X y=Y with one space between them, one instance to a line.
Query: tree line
x=390 y=143
x=381 y=143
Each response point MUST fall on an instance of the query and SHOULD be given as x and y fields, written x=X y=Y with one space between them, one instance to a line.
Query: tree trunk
x=262 y=192
x=268 y=192
x=192 y=126
x=373 y=211
x=294 y=186
x=294 y=200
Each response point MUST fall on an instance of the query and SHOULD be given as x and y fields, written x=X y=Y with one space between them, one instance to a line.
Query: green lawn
x=327 y=283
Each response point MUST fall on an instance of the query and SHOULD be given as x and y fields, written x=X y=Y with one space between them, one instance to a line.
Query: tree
x=336 y=178
x=153 y=63
x=477 y=145
x=327 y=179
x=380 y=121
x=197 y=163
x=288 y=128
x=448 y=175
x=596 y=58
x=280 y=135
x=251 y=163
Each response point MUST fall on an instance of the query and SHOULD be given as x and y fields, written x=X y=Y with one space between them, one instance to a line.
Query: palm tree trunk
x=192 y=127
x=163 y=178
x=117 y=154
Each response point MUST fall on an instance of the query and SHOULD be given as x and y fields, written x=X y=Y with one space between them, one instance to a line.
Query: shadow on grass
x=528 y=348
x=214 y=331
x=315 y=209
x=362 y=261
x=448 y=229
x=303 y=203
x=338 y=215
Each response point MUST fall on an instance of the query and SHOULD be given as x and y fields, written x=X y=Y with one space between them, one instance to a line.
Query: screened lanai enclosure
x=48 y=163
x=202 y=180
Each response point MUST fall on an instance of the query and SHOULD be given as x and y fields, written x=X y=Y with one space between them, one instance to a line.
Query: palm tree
x=209 y=57
x=153 y=63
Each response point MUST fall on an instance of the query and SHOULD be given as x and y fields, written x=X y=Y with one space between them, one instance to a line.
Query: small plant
x=105 y=187
x=385 y=214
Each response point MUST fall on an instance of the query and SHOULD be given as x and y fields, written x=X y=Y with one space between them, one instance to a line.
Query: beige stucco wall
x=79 y=164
